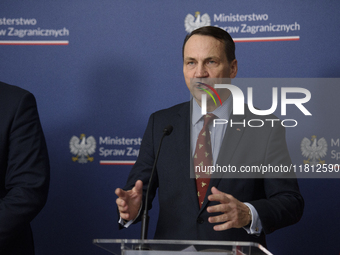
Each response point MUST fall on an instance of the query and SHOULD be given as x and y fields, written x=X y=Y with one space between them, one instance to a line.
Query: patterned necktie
x=203 y=158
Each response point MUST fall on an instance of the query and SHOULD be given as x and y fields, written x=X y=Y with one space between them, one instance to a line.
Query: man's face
x=205 y=57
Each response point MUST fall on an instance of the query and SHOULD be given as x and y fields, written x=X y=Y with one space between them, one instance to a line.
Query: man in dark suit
x=24 y=169
x=233 y=209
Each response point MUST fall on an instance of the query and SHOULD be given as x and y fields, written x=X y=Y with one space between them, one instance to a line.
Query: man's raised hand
x=129 y=201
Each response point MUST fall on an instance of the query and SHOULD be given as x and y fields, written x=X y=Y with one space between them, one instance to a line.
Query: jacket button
x=200 y=220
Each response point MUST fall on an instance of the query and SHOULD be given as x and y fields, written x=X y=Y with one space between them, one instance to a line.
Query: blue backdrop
x=100 y=68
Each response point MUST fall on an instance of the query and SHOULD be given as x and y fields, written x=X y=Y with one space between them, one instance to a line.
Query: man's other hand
x=129 y=202
x=234 y=214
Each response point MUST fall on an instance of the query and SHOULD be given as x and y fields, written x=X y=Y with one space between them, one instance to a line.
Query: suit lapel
x=184 y=154
x=231 y=140
x=182 y=123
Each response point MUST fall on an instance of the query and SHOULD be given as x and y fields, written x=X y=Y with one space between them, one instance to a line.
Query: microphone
x=167 y=130
x=145 y=218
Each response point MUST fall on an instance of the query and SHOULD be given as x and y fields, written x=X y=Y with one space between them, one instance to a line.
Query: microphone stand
x=145 y=217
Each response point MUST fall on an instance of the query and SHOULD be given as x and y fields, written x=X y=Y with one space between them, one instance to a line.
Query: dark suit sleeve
x=24 y=167
x=143 y=166
x=284 y=204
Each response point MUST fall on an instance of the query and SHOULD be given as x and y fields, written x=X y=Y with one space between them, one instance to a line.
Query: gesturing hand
x=129 y=202
x=234 y=214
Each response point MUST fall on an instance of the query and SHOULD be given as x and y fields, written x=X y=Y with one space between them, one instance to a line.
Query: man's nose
x=201 y=71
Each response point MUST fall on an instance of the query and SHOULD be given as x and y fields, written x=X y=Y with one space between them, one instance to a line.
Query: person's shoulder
x=12 y=91
x=13 y=97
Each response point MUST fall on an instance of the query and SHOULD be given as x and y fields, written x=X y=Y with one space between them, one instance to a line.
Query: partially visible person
x=230 y=209
x=24 y=169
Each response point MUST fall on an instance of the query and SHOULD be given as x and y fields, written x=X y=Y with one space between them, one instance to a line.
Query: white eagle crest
x=314 y=152
x=82 y=148
x=191 y=24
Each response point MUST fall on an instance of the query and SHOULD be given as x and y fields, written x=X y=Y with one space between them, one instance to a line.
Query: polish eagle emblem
x=191 y=24
x=82 y=148
x=314 y=150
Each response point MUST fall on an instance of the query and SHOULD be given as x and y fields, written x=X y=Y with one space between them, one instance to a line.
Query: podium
x=177 y=247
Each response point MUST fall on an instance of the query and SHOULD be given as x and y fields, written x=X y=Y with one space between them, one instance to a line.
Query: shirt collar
x=222 y=112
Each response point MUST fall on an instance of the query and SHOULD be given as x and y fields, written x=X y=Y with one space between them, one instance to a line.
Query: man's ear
x=233 y=68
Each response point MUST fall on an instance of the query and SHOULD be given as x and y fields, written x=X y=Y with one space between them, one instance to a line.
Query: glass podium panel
x=175 y=247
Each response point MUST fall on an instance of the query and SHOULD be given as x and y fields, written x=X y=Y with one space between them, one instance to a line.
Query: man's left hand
x=234 y=214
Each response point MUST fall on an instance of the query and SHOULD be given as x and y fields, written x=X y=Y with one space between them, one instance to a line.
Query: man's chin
x=197 y=94
x=210 y=102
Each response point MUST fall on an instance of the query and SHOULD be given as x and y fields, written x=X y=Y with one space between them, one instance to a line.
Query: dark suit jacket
x=24 y=169
x=277 y=201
